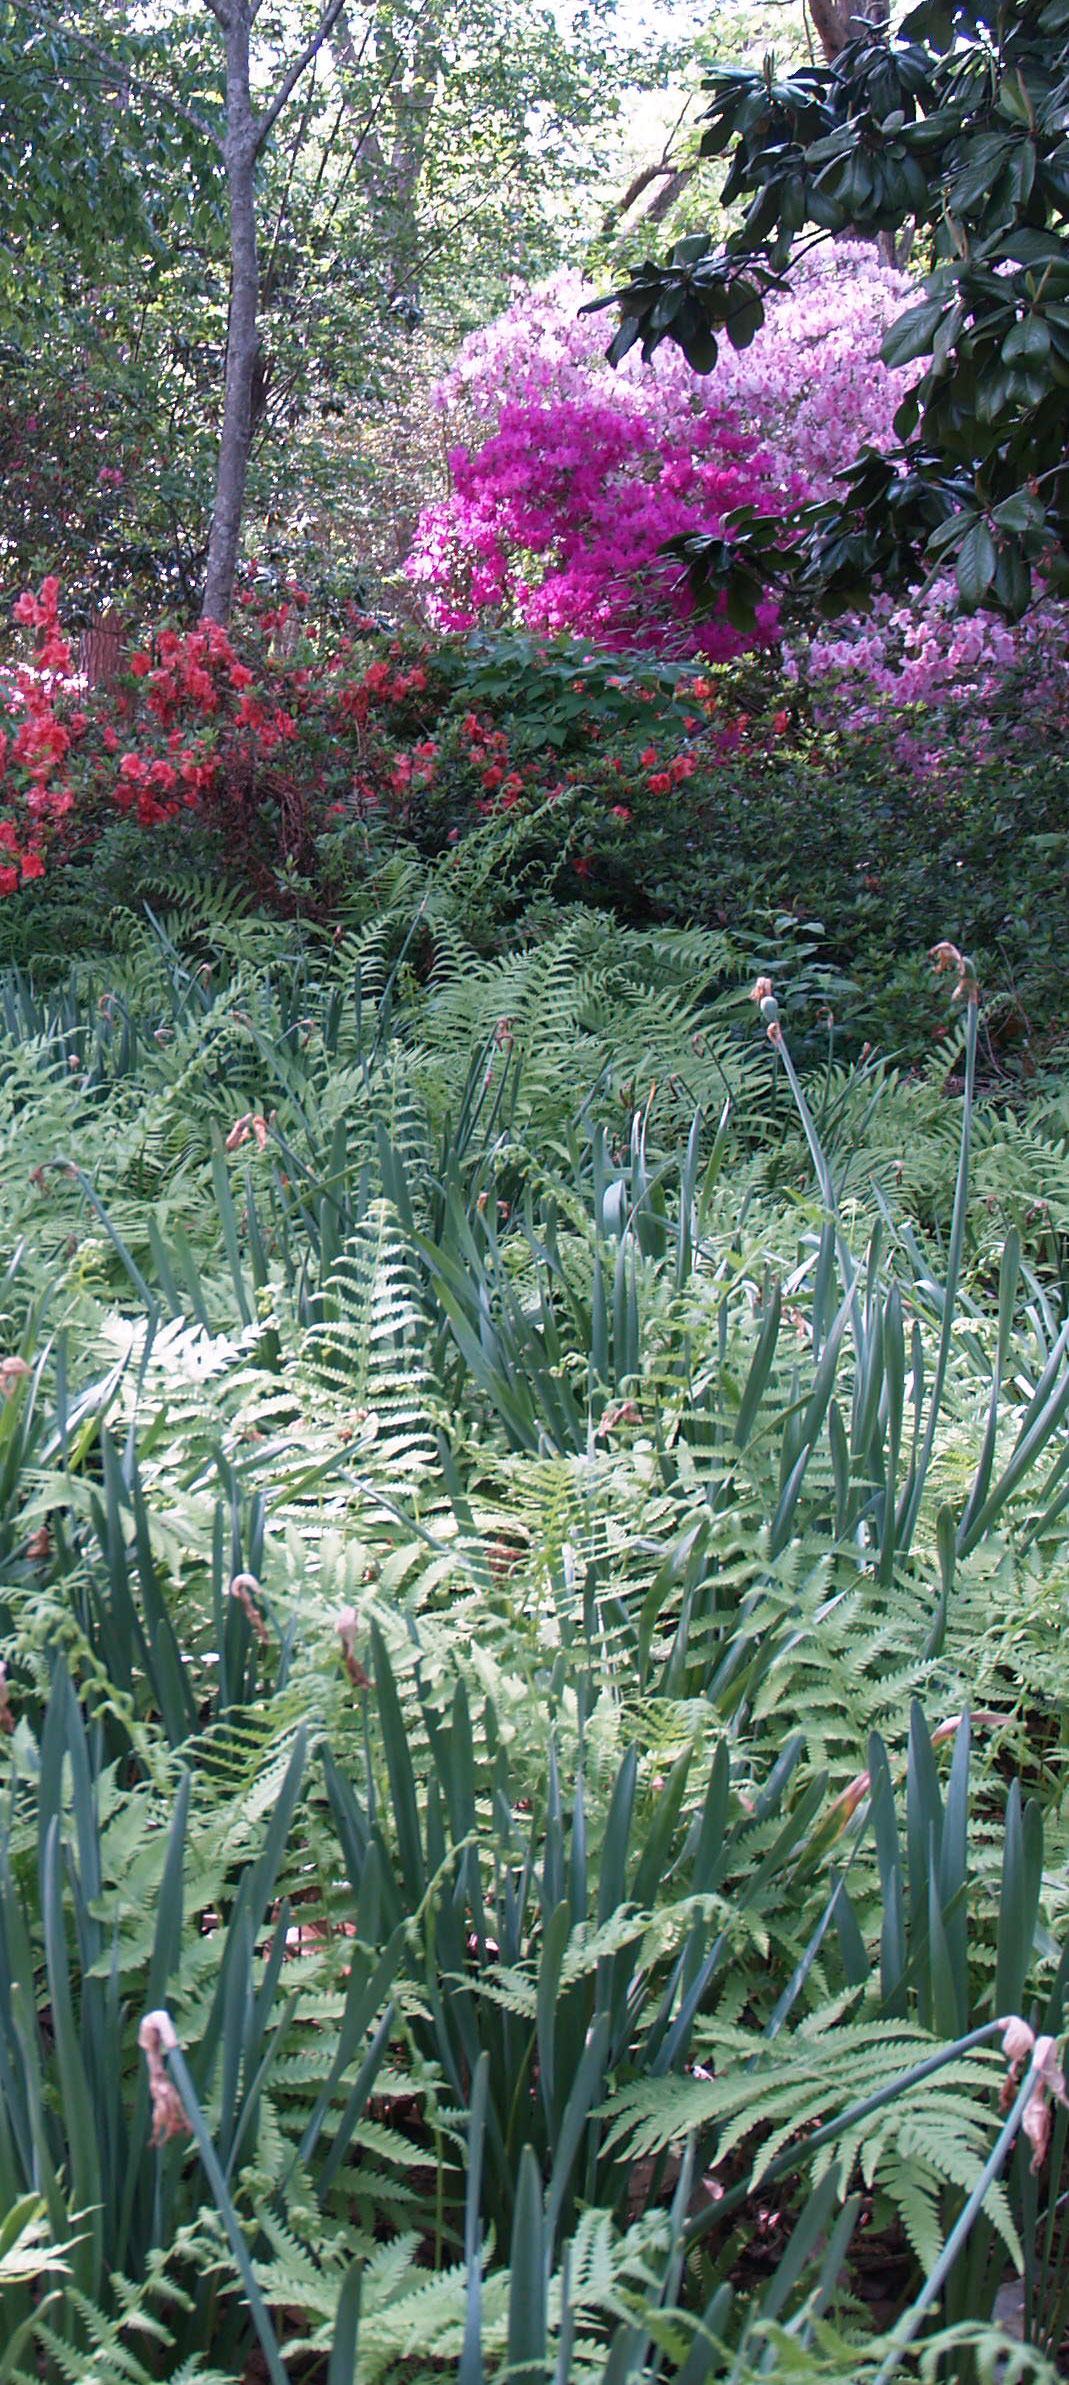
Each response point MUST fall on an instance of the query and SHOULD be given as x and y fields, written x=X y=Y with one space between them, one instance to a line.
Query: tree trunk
x=835 y=22
x=242 y=342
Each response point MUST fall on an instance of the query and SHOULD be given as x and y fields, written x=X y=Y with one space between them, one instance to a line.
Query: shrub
x=555 y=518
x=810 y=386
x=200 y=723
x=927 y=652
x=558 y=519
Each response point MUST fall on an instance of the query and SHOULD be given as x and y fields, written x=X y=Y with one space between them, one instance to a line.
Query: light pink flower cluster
x=929 y=652
x=1046 y=2077
x=812 y=382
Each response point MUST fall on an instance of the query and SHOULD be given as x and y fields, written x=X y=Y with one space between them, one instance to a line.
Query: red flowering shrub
x=524 y=773
x=220 y=728
x=198 y=722
x=304 y=769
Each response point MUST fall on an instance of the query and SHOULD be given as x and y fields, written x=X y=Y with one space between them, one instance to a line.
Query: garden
x=534 y=1169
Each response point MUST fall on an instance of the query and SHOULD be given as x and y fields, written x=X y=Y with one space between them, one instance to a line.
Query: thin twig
x=290 y=81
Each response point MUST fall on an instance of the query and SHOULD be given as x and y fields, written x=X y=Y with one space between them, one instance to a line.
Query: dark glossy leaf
x=975 y=565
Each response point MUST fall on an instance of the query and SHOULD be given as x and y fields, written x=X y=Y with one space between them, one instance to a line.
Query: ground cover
x=510 y=1501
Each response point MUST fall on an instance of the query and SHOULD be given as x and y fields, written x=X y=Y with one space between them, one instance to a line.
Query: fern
x=608 y=1781
x=105 y=2355
x=928 y=2135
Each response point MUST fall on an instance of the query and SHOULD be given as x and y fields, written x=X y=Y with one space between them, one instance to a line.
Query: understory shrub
x=886 y=839
x=92 y=470
x=531 y=772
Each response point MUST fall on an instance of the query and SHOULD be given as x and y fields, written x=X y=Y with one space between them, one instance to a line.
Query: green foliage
x=469 y=1550
x=405 y=181
x=78 y=165
x=782 y=823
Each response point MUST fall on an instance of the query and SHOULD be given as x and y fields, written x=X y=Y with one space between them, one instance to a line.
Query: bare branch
x=296 y=147
x=290 y=81
x=635 y=188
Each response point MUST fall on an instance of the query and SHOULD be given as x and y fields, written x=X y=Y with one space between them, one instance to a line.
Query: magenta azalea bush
x=566 y=477
x=556 y=521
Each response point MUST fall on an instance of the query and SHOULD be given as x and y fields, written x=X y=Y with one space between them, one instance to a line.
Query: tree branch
x=290 y=81
x=298 y=144
x=360 y=149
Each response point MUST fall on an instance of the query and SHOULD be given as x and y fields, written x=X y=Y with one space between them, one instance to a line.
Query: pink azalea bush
x=812 y=379
x=567 y=475
x=810 y=388
x=556 y=517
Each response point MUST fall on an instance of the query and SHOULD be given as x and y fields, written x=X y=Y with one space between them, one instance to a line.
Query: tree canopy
x=422 y=153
